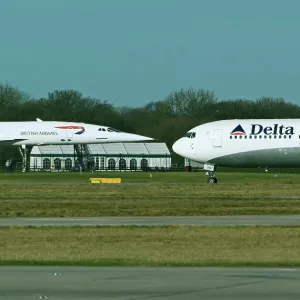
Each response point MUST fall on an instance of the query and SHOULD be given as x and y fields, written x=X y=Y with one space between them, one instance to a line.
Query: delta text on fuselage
x=275 y=129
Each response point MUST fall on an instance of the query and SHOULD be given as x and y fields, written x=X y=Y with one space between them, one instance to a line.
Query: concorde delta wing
x=5 y=140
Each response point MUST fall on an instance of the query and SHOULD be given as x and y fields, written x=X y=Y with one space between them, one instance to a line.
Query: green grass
x=156 y=246
x=165 y=194
x=144 y=177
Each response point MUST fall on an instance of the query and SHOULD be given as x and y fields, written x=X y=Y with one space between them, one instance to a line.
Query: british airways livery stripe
x=81 y=131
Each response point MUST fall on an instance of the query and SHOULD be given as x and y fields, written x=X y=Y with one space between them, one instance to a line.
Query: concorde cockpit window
x=190 y=135
x=112 y=130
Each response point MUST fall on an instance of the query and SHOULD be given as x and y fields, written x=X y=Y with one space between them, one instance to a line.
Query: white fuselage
x=239 y=143
x=61 y=133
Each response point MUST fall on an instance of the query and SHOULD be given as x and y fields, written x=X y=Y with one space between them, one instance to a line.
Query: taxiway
x=56 y=283
x=249 y=220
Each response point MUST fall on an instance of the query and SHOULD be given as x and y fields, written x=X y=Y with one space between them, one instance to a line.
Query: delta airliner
x=242 y=143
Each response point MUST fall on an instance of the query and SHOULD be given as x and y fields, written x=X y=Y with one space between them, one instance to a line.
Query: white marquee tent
x=110 y=156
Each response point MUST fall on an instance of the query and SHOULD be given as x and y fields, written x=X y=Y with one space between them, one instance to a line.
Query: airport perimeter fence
x=17 y=167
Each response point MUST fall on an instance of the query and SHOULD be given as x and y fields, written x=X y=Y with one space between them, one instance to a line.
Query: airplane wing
x=9 y=141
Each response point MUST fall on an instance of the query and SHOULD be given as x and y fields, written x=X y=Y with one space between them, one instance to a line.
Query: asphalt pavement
x=255 y=220
x=114 y=283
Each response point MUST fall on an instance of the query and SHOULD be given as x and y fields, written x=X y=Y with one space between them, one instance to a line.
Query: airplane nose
x=183 y=148
x=177 y=147
x=137 y=137
x=130 y=137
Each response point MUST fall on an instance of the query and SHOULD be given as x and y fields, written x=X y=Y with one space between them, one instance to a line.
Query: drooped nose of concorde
x=130 y=137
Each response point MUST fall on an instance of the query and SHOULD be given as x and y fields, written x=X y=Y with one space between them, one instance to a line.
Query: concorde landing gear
x=25 y=153
x=210 y=172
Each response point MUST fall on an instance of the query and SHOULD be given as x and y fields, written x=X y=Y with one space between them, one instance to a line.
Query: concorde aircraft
x=242 y=143
x=25 y=135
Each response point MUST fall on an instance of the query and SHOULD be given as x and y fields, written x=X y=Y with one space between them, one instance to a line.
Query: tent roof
x=107 y=148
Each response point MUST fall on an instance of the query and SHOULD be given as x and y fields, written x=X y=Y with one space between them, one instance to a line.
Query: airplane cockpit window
x=112 y=130
x=190 y=135
x=101 y=129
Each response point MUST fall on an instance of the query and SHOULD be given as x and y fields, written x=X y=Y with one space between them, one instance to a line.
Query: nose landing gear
x=212 y=178
x=211 y=175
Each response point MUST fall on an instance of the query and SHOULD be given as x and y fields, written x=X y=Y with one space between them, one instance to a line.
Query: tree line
x=165 y=120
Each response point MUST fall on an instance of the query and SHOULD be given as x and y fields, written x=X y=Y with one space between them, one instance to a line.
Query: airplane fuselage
x=61 y=133
x=243 y=143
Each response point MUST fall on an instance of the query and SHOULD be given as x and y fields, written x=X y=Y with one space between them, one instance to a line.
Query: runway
x=255 y=220
x=57 y=283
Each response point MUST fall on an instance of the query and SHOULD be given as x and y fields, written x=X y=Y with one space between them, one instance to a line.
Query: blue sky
x=131 y=52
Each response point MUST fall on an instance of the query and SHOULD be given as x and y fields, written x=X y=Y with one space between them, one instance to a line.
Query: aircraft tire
x=212 y=180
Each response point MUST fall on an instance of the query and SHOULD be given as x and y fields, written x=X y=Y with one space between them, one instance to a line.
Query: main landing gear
x=210 y=172
x=25 y=153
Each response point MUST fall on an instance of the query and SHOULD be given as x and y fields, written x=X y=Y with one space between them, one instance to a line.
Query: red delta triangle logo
x=81 y=131
x=238 y=130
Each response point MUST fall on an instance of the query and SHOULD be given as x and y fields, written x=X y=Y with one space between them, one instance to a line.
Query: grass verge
x=152 y=200
x=165 y=194
x=144 y=177
x=155 y=246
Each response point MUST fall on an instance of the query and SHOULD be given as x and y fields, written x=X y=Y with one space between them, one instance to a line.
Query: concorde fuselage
x=61 y=133
x=243 y=143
